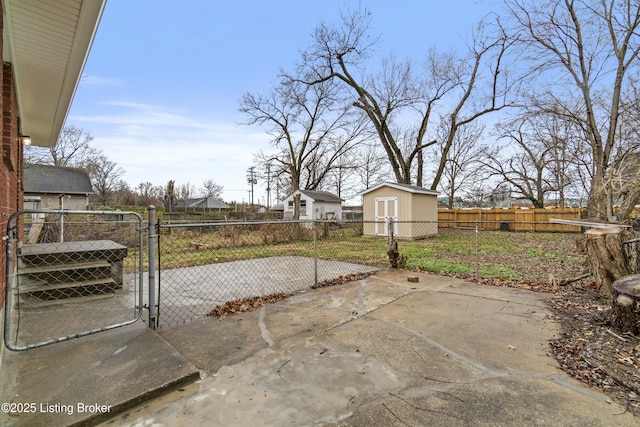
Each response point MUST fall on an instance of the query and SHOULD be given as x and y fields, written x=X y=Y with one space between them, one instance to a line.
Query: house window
x=290 y=204
x=303 y=204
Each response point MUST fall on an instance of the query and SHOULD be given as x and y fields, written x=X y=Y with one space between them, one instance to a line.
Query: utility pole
x=251 y=179
x=268 y=186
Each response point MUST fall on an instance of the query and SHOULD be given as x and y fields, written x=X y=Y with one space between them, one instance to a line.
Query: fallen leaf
x=626 y=360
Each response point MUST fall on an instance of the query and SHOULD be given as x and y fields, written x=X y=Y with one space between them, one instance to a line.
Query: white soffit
x=47 y=43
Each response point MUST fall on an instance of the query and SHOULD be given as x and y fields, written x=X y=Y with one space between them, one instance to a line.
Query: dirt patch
x=591 y=350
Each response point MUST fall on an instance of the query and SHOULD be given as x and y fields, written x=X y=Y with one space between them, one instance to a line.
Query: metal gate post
x=8 y=295
x=315 y=252
x=152 y=266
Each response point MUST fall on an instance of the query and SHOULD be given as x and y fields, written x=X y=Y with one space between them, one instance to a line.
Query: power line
x=252 y=180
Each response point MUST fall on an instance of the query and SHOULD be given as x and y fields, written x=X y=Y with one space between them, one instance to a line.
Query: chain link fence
x=71 y=273
x=203 y=266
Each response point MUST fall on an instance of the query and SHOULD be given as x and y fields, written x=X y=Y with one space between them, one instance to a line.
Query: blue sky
x=161 y=88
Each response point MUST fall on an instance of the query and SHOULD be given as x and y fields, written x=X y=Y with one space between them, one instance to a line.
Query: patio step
x=34 y=288
x=71 y=270
x=41 y=303
x=70 y=252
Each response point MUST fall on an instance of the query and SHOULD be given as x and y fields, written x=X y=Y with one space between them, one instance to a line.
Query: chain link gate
x=70 y=274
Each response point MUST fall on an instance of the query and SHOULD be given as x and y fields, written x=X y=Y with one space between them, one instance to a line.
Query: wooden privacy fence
x=533 y=220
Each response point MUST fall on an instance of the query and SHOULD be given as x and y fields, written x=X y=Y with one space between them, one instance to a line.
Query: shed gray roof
x=404 y=187
x=56 y=180
x=202 y=203
x=322 y=196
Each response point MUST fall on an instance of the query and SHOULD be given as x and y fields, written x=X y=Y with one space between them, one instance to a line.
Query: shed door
x=386 y=207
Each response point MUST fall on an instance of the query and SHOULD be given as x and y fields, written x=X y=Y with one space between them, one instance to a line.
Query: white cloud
x=156 y=144
x=93 y=80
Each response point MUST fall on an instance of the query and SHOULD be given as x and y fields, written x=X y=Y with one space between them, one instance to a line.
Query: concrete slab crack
x=264 y=332
x=362 y=295
x=470 y=362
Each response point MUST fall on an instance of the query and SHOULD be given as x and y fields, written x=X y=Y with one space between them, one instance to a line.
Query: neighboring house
x=204 y=204
x=55 y=187
x=44 y=48
x=413 y=209
x=314 y=205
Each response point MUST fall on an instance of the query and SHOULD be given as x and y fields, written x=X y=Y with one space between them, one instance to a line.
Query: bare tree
x=583 y=49
x=72 y=149
x=479 y=195
x=625 y=171
x=338 y=53
x=185 y=191
x=148 y=194
x=211 y=189
x=476 y=99
x=372 y=167
x=461 y=168
x=308 y=126
x=626 y=160
x=124 y=196
x=105 y=178
x=339 y=180
x=565 y=150
x=524 y=168
x=169 y=196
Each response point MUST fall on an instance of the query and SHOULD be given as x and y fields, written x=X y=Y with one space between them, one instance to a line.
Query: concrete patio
x=377 y=351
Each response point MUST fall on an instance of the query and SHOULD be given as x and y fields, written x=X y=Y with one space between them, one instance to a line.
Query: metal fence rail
x=70 y=274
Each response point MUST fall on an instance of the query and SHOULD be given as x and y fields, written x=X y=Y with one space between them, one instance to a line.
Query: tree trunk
x=296 y=207
x=632 y=197
x=607 y=257
x=597 y=206
x=395 y=259
x=626 y=303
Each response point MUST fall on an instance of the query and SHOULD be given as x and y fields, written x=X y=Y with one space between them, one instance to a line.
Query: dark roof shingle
x=322 y=196
x=56 y=179
x=202 y=203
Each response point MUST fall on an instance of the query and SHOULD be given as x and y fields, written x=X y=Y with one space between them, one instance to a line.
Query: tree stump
x=607 y=257
x=396 y=260
x=626 y=304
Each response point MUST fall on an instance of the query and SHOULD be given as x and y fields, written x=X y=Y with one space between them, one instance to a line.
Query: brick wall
x=11 y=166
